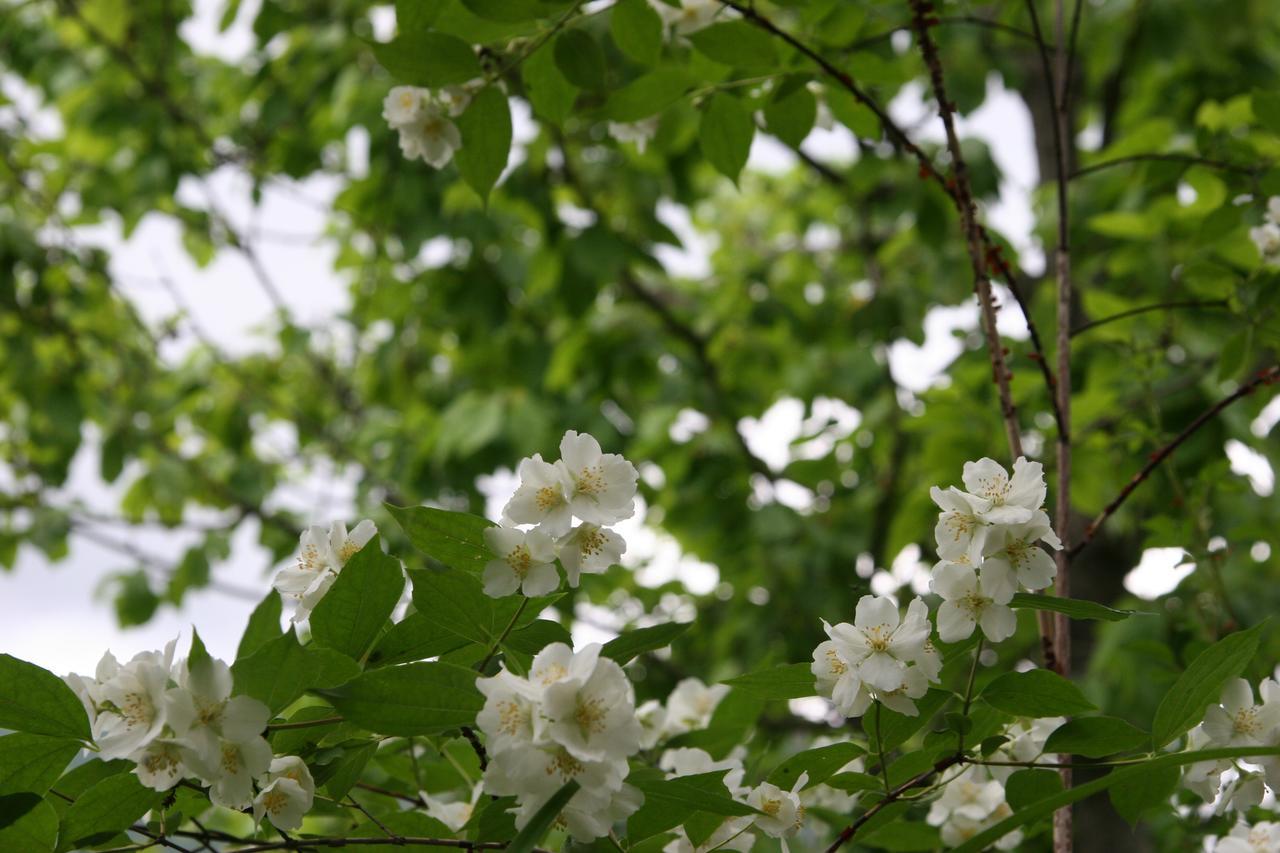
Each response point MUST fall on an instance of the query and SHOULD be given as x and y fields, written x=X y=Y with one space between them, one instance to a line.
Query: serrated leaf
x=1095 y=737
x=1198 y=687
x=359 y=604
x=1074 y=607
x=454 y=538
x=428 y=59
x=637 y=30
x=416 y=637
x=627 y=646
x=486 y=140
x=1036 y=693
x=784 y=681
x=725 y=134
x=410 y=699
x=36 y=701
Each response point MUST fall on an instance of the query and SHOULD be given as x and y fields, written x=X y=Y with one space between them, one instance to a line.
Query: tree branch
x=1159 y=306
x=894 y=794
x=1171 y=157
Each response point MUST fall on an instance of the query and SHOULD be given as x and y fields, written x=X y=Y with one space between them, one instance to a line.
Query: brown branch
x=1159 y=306
x=1267 y=376
x=1189 y=159
x=892 y=796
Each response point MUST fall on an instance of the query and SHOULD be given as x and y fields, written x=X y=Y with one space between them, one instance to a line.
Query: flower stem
x=493 y=650
x=304 y=724
x=884 y=768
x=968 y=691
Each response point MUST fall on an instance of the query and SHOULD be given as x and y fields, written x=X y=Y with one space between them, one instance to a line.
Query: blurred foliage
x=552 y=311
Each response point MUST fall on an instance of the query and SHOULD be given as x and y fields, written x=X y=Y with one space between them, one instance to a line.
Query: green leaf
x=1140 y=793
x=670 y=802
x=736 y=43
x=550 y=92
x=1095 y=737
x=732 y=720
x=1028 y=786
x=647 y=95
x=1036 y=693
x=411 y=699
x=282 y=670
x=341 y=775
x=415 y=637
x=415 y=17
x=359 y=604
x=784 y=681
x=263 y=627
x=541 y=822
x=32 y=763
x=36 y=701
x=454 y=538
x=791 y=117
x=637 y=30
x=1198 y=688
x=486 y=140
x=580 y=58
x=852 y=114
x=820 y=763
x=36 y=831
x=1266 y=109
x=627 y=646
x=456 y=602
x=898 y=727
x=428 y=59
x=1043 y=808
x=903 y=835
x=105 y=809
x=1074 y=607
x=725 y=134
x=537 y=635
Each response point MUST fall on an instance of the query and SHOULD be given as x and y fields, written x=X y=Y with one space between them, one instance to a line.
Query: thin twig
x=896 y=794
x=1159 y=306
x=1189 y=159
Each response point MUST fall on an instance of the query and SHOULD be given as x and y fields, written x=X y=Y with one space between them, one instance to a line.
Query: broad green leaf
x=1036 y=693
x=454 y=538
x=725 y=134
x=580 y=59
x=637 y=30
x=1142 y=792
x=105 y=809
x=852 y=114
x=537 y=635
x=1095 y=737
x=784 y=681
x=549 y=91
x=1043 y=808
x=541 y=822
x=340 y=775
x=415 y=17
x=282 y=670
x=454 y=601
x=31 y=763
x=82 y=777
x=627 y=646
x=36 y=701
x=36 y=831
x=820 y=763
x=902 y=835
x=428 y=59
x=1074 y=607
x=670 y=802
x=1196 y=689
x=410 y=699
x=647 y=95
x=1031 y=785
x=899 y=727
x=1266 y=108
x=736 y=43
x=791 y=117
x=263 y=627
x=416 y=637
x=486 y=140
x=359 y=604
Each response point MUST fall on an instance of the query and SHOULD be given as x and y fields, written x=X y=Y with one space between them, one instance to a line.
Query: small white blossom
x=969 y=795
x=1266 y=237
x=590 y=549
x=524 y=562
x=837 y=679
x=692 y=15
x=691 y=704
x=1013 y=556
x=453 y=813
x=639 y=132
x=1026 y=739
x=403 y=105
x=509 y=717
x=966 y=603
x=159 y=764
x=591 y=812
x=1262 y=837
x=604 y=484
x=542 y=497
x=1240 y=722
x=653 y=720
x=131 y=710
x=432 y=138
x=594 y=718
x=230 y=768
x=880 y=644
x=203 y=712
x=783 y=813
x=960 y=532
x=456 y=99
x=287 y=793
x=1009 y=500
x=323 y=554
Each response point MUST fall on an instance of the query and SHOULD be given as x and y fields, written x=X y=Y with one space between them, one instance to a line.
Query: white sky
x=57 y=615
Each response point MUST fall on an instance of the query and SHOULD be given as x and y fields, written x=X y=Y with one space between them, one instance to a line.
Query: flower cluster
x=178 y=720
x=880 y=657
x=1238 y=720
x=988 y=541
x=572 y=718
x=421 y=116
x=687 y=709
x=1261 y=837
x=1267 y=235
x=322 y=554
x=734 y=832
x=597 y=488
x=971 y=802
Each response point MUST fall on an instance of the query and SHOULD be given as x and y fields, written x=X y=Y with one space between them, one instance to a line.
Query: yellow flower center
x=520 y=561
x=835 y=664
x=878 y=637
x=548 y=498
x=1246 y=722
x=511 y=718
x=565 y=765
x=590 y=715
x=589 y=481
x=274 y=801
x=230 y=759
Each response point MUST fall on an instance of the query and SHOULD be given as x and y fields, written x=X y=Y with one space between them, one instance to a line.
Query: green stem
x=304 y=724
x=968 y=691
x=493 y=650
x=884 y=768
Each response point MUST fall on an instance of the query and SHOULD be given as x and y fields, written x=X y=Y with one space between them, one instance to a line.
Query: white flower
x=913 y=686
x=960 y=829
x=1013 y=556
x=1010 y=500
x=1273 y=210
x=537 y=772
x=431 y=138
x=783 y=812
x=878 y=644
x=1026 y=738
x=1262 y=837
x=929 y=661
x=639 y=132
x=1266 y=238
x=594 y=718
x=203 y=712
x=960 y=532
x=591 y=812
x=730 y=835
x=322 y=556
x=456 y=99
x=510 y=713
x=159 y=764
x=130 y=701
x=524 y=562
x=604 y=484
x=589 y=548
x=837 y=679
x=453 y=813
x=1242 y=793
x=692 y=15
x=653 y=719
x=558 y=662
x=1238 y=721
x=968 y=795
x=542 y=498
x=230 y=769
x=691 y=704
x=403 y=105
x=1203 y=777
x=966 y=604
x=287 y=794
x=690 y=761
